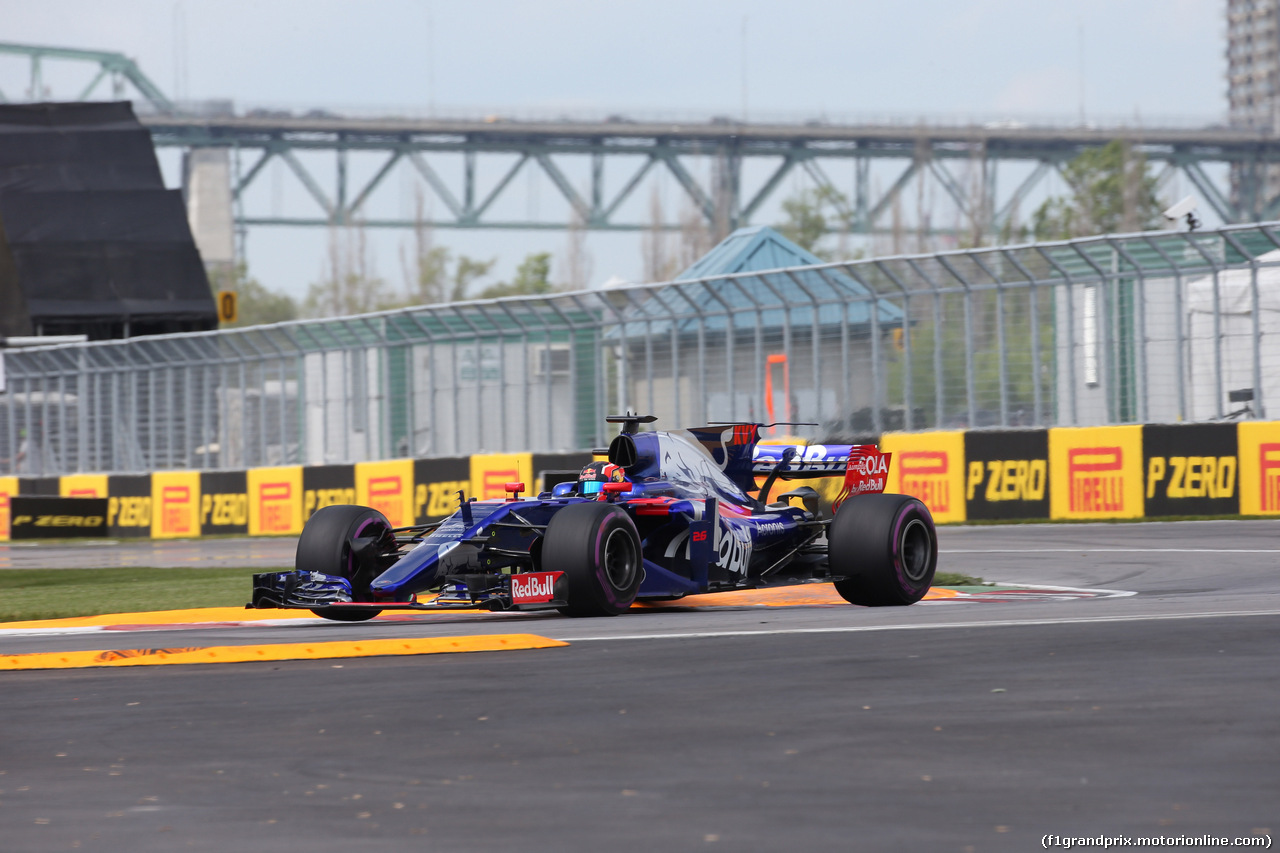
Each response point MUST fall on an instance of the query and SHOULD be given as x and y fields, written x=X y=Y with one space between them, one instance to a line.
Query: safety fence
x=1088 y=473
x=1157 y=327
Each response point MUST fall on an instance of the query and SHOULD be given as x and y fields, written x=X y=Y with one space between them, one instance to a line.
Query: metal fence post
x=1255 y=310
x=1071 y=335
x=969 y=378
x=1002 y=352
x=1140 y=327
x=1033 y=311
x=728 y=350
x=908 y=379
x=1219 y=402
x=814 y=335
x=1105 y=338
x=939 y=399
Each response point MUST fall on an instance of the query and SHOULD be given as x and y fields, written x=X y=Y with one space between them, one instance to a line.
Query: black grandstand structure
x=91 y=242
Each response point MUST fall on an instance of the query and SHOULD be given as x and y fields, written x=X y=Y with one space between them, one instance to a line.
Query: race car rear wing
x=865 y=468
x=807 y=461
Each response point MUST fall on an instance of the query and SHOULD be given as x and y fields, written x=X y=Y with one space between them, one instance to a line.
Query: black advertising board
x=1190 y=469
x=436 y=485
x=57 y=518
x=1006 y=474
x=40 y=487
x=224 y=503
x=552 y=468
x=327 y=485
x=129 y=504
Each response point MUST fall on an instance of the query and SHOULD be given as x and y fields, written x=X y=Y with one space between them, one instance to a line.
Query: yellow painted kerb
x=286 y=651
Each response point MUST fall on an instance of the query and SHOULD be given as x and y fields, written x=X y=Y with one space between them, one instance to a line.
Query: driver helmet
x=593 y=477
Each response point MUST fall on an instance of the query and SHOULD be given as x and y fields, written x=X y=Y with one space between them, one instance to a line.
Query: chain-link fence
x=1154 y=327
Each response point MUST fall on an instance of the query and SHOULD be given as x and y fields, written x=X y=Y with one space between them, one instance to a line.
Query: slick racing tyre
x=327 y=545
x=886 y=547
x=598 y=549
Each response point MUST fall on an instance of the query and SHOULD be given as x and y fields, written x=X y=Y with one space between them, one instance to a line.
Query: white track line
x=1014 y=586
x=858 y=629
x=163 y=626
x=1109 y=550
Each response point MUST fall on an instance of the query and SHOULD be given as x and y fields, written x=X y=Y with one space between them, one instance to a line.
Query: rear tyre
x=327 y=546
x=886 y=547
x=598 y=549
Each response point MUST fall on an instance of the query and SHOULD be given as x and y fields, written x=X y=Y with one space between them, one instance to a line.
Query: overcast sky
x=1132 y=60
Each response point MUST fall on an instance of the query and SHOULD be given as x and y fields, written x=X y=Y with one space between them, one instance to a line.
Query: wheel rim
x=915 y=548
x=620 y=563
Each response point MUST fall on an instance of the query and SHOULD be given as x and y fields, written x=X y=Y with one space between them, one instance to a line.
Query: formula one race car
x=669 y=514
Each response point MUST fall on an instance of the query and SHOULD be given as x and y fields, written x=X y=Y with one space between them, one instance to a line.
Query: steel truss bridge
x=911 y=153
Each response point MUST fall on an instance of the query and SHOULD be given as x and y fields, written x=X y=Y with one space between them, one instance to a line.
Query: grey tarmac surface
x=266 y=553
x=945 y=727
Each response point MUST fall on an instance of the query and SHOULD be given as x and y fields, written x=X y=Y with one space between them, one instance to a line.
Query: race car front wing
x=318 y=591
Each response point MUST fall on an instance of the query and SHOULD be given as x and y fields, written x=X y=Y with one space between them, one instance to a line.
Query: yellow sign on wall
x=8 y=488
x=83 y=486
x=490 y=472
x=1259 y=452
x=388 y=488
x=1095 y=472
x=275 y=500
x=929 y=466
x=228 y=309
x=175 y=504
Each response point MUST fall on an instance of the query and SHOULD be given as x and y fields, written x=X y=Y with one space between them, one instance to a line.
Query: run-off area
x=988 y=737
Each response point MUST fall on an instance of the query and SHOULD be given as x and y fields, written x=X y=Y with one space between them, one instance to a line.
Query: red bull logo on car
x=534 y=587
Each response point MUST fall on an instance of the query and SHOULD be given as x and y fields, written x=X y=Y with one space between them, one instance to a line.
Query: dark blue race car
x=670 y=514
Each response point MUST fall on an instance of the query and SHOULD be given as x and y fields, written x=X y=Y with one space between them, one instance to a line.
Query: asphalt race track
x=950 y=725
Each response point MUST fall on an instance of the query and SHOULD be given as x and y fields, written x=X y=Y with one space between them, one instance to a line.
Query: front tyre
x=886 y=547
x=598 y=549
x=344 y=540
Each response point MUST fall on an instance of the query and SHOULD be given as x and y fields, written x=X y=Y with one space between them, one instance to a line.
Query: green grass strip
x=956 y=579
x=60 y=593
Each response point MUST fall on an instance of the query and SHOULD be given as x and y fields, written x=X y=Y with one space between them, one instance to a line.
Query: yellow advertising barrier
x=275 y=500
x=929 y=466
x=175 y=502
x=83 y=486
x=436 y=500
x=491 y=471
x=388 y=488
x=1259 y=452
x=8 y=488
x=1095 y=472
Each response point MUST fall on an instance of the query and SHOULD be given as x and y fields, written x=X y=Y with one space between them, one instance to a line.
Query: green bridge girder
x=916 y=153
x=919 y=152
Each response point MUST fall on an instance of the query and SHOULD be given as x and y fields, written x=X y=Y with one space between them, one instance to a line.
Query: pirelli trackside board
x=1191 y=469
x=1007 y=474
